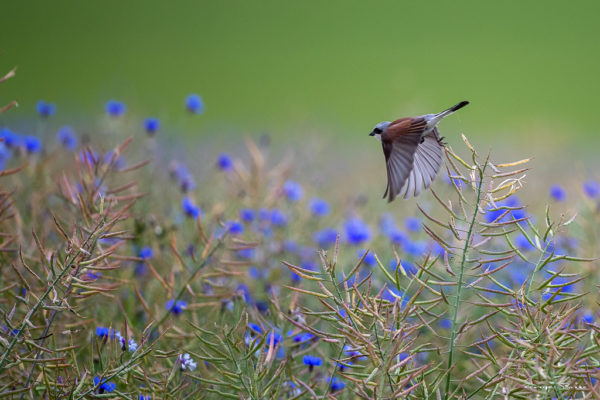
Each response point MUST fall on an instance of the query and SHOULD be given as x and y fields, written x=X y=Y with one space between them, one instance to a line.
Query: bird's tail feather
x=439 y=116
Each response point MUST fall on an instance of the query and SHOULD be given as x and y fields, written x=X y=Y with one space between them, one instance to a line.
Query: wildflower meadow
x=129 y=273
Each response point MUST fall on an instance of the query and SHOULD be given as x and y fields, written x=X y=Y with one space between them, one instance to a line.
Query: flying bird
x=413 y=152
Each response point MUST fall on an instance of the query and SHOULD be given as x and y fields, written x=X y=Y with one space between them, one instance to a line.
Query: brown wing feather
x=404 y=126
x=399 y=156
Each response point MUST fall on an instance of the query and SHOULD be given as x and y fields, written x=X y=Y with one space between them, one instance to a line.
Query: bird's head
x=379 y=128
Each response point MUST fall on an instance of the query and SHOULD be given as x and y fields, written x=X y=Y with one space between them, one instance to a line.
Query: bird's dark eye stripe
x=377 y=130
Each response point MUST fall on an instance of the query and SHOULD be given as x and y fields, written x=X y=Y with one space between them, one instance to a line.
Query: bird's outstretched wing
x=426 y=164
x=399 y=157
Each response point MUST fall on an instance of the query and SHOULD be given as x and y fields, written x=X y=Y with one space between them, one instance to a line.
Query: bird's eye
x=377 y=130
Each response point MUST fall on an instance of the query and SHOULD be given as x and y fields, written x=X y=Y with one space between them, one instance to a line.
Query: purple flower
x=190 y=209
x=523 y=243
x=108 y=333
x=175 y=307
x=590 y=188
x=318 y=207
x=45 y=109
x=186 y=362
x=117 y=162
x=247 y=215
x=445 y=323
x=246 y=254
x=11 y=139
x=194 y=104
x=336 y=384
x=558 y=193
x=67 y=138
x=357 y=232
x=151 y=125
x=88 y=155
x=312 y=361
x=115 y=108
x=278 y=218
x=146 y=253
x=224 y=162
x=369 y=259
x=293 y=191
x=32 y=144
x=104 y=386
x=255 y=328
x=325 y=237
x=235 y=227
x=415 y=249
x=412 y=224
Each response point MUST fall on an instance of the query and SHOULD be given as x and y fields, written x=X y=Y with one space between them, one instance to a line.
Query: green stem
x=193 y=274
x=460 y=281
x=43 y=297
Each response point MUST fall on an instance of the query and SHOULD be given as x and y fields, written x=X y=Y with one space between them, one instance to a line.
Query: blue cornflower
x=511 y=202
x=293 y=191
x=415 y=249
x=186 y=362
x=104 y=332
x=523 y=243
x=325 y=237
x=590 y=188
x=5 y=155
x=387 y=224
x=32 y=144
x=445 y=323
x=190 y=209
x=398 y=237
x=67 y=138
x=146 y=253
x=194 y=104
x=408 y=267
x=264 y=214
x=89 y=155
x=247 y=215
x=312 y=361
x=104 y=386
x=588 y=317
x=303 y=337
x=175 y=307
x=357 y=232
x=558 y=193
x=243 y=291
x=11 y=139
x=117 y=162
x=254 y=273
x=115 y=108
x=224 y=162
x=412 y=224
x=354 y=353
x=336 y=384
x=255 y=328
x=278 y=218
x=369 y=259
x=393 y=296
x=45 y=109
x=144 y=397
x=246 y=254
x=151 y=125
x=90 y=275
x=235 y=227
x=318 y=207
x=290 y=246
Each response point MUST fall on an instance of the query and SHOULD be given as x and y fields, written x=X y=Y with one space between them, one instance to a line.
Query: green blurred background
x=334 y=68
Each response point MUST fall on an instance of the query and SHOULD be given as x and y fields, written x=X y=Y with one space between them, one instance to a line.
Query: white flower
x=132 y=345
x=186 y=361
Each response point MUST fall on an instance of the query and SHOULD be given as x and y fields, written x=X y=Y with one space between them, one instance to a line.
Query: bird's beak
x=372 y=133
